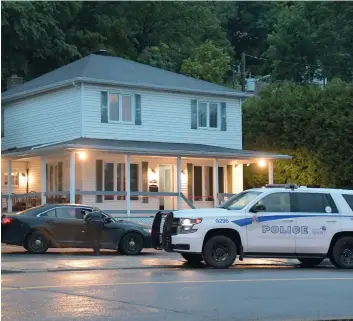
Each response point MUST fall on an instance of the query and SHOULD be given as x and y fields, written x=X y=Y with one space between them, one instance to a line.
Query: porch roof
x=144 y=148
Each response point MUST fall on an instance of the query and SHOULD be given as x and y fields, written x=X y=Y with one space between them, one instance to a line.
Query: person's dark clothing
x=95 y=225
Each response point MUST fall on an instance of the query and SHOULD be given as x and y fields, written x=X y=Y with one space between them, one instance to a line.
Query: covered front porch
x=125 y=177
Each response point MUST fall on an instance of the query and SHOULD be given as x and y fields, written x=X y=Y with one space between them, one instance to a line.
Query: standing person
x=94 y=221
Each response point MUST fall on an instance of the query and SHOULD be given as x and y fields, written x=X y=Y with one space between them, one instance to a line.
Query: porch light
x=23 y=178
x=183 y=177
x=82 y=155
x=152 y=176
x=262 y=163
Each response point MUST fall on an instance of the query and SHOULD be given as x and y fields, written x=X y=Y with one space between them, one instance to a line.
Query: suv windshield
x=239 y=201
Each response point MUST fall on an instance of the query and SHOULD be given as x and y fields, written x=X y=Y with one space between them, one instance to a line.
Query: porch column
x=270 y=171
x=43 y=180
x=179 y=186
x=127 y=185
x=215 y=183
x=9 y=186
x=72 y=177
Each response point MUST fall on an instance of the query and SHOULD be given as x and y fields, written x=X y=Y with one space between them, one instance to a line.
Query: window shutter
x=194 y=114
x=2 y=122
x=223 y=116
x=60 y=176
x=104 y=107
x=138 y=110
x=190 y=179
x=229 y=179
x=145 y=181
x=99 y=180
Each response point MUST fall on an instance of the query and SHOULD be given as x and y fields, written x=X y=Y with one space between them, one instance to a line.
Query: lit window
x=15 y=178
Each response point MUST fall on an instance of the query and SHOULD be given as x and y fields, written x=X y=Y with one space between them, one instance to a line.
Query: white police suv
x=277 y=221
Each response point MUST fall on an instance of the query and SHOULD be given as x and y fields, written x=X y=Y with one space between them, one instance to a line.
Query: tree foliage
x=312 y=124
x=207 y=62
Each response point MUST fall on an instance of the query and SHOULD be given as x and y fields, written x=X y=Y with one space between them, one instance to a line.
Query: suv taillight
x=6 y=220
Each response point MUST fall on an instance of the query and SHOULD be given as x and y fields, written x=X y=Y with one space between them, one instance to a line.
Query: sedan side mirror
x=107 y=220
x=258 y=208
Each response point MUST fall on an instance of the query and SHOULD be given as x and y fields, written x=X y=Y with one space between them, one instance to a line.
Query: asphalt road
x=271 y=293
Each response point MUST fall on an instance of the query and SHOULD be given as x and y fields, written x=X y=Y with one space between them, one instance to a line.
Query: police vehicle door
x=319 y=213
x=271 y=226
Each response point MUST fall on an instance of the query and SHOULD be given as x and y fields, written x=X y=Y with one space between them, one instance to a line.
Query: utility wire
x=294 y=63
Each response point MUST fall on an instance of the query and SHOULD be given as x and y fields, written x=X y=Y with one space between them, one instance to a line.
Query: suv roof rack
x=288 y=186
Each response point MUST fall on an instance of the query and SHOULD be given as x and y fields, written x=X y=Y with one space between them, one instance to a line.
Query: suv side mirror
x=258 y=208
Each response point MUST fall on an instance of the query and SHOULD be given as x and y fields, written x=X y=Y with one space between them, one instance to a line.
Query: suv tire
x=342 y=253
x=220 y=252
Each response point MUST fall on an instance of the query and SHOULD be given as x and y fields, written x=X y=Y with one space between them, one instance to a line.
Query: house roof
x=110 y=70
x=145 y=148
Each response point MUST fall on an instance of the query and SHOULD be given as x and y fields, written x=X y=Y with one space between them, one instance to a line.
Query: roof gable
x=116 y=70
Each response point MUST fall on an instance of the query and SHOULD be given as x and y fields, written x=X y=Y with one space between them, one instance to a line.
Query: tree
x=312 y=40
x=311 y=123
x=207 y=62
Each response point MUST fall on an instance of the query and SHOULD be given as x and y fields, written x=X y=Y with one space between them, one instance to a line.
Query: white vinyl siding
x=46 y=118
x=165 y=117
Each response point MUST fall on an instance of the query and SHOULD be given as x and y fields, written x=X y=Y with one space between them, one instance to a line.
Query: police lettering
x=274 y=229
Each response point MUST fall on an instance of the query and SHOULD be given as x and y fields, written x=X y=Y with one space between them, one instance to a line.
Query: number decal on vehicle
x=222 y=220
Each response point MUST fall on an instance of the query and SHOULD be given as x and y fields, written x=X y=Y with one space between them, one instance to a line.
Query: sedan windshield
x=239 y=201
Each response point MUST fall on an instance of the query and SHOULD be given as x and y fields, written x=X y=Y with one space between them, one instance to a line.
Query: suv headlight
x=188 y=225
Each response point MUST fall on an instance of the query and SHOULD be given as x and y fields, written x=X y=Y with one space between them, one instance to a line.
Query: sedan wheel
x=37 y=243
x=131 y=244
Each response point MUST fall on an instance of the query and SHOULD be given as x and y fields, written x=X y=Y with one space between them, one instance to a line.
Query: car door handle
x=51 y=222
x=288 y=220
x=331 y=221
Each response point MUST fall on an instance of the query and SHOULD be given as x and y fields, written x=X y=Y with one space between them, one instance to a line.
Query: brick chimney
x=14 y=81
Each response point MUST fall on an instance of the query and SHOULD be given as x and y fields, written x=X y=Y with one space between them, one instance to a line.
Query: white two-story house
x=123 y=136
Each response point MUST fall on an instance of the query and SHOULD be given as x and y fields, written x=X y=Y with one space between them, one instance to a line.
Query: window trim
x=15 y=171
x=208 y=103
x=121 y=121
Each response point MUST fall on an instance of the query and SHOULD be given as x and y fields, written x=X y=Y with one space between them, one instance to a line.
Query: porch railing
x=27 y=200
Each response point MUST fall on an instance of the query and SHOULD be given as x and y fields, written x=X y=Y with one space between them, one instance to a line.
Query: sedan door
x=272 y=224
x=111 y=235
x=65 y=227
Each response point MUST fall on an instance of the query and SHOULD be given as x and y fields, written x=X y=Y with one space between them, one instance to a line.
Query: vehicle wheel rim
x=347 y=255
x=220 y=253
x=37 y=244
x=132 y=244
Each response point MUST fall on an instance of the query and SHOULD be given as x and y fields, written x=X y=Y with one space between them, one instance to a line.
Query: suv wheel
x=193 y=259
x=342 y=253
x=220 y=252
x=308 y=263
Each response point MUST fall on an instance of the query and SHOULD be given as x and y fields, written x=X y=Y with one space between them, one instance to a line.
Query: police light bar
x=288 y=186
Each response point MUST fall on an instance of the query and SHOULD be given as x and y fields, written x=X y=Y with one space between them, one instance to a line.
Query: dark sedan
x=63 y=226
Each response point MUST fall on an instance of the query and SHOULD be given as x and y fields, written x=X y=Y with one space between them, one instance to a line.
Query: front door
x=272 y=229
x=166 y=186
x=318 y=212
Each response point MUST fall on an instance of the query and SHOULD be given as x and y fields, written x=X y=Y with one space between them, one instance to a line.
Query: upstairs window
x=120 y=108
x=207 y=115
